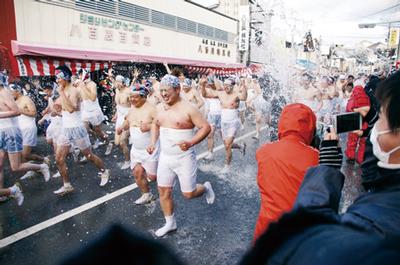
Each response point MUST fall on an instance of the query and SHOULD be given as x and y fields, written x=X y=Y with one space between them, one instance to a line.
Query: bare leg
x=5 y=192
x=124 y=145
x=140 y=178
x=97 y=161
x=200 y=189
x=166 y=202
x=100 y=134
x=210 y=140
x=27 y=155
x=17 y=165
x=61 y=154
x=228 y=142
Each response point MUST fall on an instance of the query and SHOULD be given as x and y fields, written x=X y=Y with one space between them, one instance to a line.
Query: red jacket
x=358 y=99
x=283 y=164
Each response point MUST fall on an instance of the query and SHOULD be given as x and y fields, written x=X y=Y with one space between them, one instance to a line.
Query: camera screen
x=348 y=122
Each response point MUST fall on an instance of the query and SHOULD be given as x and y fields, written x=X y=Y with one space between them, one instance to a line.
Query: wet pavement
x=207 y=234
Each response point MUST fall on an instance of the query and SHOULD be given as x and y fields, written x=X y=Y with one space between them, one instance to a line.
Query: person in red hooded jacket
x=282 y=164
x=358 y=102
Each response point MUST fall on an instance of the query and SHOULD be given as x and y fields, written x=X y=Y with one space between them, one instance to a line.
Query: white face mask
x=382 y=156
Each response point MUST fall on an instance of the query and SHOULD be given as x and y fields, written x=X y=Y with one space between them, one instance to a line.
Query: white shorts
x=95 y=118
x=242 y=106
x=185 y=167
x=147 y=161
x=53 y=132
x=77 y=136
x=230 y=128
x=214 y=120
x=29 y=136
x=120 y=120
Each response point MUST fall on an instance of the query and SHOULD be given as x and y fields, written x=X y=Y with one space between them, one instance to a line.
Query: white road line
x=59 y=218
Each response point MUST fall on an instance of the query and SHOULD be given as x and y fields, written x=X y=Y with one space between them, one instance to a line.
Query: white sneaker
x=166 y=229
x=105 y=176
x=18 y=194
x=226 y=169
x=145 y=198
x=210 y=195
x=108 y=149
x=126 y=165
x=46 y=160
x=96 y=144
x=64 y=190
x=209 y=156
x=83 y=159
x=27 y=175
x=56 y=175
x=45 y=172
x=242 y=127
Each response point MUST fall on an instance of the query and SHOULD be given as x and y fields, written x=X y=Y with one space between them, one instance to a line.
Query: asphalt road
x=207 y=234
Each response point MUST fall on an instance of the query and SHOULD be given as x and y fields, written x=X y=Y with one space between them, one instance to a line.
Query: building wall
x=45 y=22
x=229 y=7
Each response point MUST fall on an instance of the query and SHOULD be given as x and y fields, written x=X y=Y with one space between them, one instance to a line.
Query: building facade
x=172 y=31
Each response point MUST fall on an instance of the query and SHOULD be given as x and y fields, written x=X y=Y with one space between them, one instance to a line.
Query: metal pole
x=249 y=50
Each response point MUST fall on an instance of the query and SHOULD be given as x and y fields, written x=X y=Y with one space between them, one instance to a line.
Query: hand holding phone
x=348 y=122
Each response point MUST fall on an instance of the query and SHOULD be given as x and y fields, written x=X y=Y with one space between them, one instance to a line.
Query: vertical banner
x=393 y=37
x=244 y=27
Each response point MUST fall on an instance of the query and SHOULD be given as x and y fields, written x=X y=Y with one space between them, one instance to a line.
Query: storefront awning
x=29 y=49
x=43 y=66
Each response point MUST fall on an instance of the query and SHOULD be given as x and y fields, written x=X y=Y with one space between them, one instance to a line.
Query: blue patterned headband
x=170 y=80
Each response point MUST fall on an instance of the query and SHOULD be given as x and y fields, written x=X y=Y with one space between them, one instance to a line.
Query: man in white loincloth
x=91 y=111
x=27 y=125
x=123 y=105
x=11 y=143
x=175 y=123
x=230 y=122
x=73 y=131
x=139 y=120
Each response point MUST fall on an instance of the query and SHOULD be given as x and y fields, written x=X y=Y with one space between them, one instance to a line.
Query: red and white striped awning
x=39 y=66
x=218 y=71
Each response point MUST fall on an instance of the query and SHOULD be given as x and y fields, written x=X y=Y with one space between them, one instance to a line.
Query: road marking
x=64 y=216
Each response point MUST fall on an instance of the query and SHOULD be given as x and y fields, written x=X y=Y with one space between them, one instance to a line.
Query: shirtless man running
x=191 y=95
x=138 y=121
x=73 y=131
x=91 y=111
x=27 y=125
x=123 y=106
x=11 y=143
x=307 y=93
x=175 y=123
x=230 y=122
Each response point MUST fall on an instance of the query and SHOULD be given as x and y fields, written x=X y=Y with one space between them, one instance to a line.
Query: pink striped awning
x=39 y=66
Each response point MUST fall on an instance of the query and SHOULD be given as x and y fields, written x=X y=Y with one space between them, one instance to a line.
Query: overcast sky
x=336 y=21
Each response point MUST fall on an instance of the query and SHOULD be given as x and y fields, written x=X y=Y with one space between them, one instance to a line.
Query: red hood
x=298 y=120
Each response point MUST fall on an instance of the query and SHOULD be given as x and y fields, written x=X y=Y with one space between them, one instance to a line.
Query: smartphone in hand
x=347 y=122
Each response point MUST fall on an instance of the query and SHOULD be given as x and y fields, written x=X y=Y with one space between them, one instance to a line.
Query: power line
x=384 y=10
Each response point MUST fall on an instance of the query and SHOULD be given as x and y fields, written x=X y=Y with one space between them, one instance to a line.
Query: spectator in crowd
x=368 y=233
x=280 y=173
x=358 y=102
x=106 y=93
